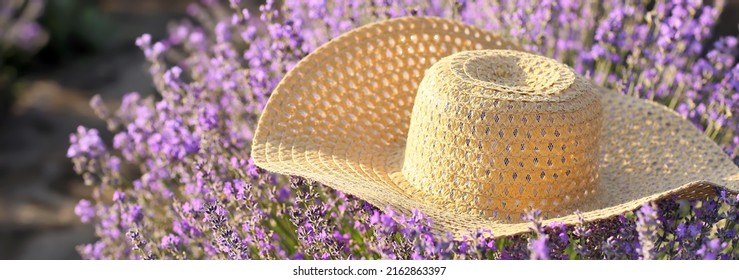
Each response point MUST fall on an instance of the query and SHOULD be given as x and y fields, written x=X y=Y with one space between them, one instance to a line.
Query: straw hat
x=449 y=119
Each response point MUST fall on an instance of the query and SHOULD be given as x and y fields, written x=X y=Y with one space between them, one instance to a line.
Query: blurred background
x=54 y=56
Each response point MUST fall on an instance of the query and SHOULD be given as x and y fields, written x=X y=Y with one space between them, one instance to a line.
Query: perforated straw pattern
x=498 y=132
x=342 y=117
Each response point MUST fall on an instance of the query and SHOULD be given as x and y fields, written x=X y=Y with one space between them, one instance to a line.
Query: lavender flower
x=710 y=250
x=538 y=242
x=647 y=226
x=85 y=210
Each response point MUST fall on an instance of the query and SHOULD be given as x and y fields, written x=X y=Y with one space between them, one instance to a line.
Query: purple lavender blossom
x=86 y=143
x=647 y=225
x=538 y=242
x=119 y=196
x=85 y=210
x=710 y=250
x=170 y=241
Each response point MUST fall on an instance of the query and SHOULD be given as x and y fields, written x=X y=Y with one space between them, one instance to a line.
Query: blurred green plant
x=74 y=26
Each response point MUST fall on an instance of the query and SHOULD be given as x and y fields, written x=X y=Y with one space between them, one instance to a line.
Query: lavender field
x=165 y=172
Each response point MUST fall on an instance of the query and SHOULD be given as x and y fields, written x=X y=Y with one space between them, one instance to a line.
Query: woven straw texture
x=462 y=125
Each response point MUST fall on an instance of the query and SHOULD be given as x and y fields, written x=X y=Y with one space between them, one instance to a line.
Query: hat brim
x=341 y=116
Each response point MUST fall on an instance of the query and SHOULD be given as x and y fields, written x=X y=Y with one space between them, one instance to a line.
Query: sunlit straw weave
x=405 y=113
x=499 y=132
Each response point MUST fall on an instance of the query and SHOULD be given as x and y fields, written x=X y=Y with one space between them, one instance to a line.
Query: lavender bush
x=177 y=181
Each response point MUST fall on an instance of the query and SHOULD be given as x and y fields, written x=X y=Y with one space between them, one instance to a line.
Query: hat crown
x=512 y=72
x=497 y=132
